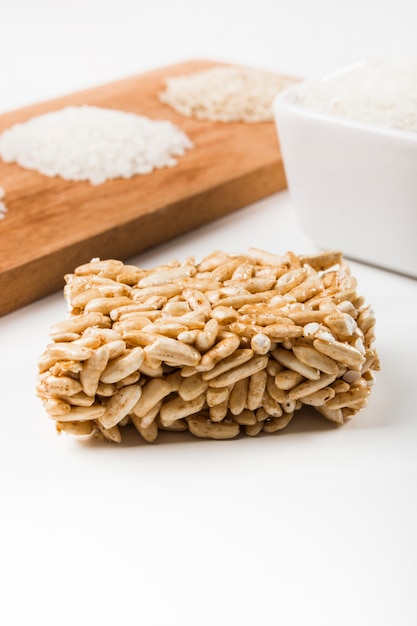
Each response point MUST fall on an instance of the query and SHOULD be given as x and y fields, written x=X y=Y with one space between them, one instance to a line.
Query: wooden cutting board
x=53 y=225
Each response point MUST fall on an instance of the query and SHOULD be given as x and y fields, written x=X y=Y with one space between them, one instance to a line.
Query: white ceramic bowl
x=353 y=184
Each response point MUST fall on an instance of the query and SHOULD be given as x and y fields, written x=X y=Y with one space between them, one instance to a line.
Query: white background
x=314 y=526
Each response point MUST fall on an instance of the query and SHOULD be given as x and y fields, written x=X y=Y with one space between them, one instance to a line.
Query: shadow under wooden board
x=53 y=225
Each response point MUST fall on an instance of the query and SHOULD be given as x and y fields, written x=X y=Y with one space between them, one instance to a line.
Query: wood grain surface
x=53 y=225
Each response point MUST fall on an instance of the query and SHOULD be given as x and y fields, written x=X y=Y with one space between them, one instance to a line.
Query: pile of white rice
x=3 y=207
x=377 y=92
x=225 y=94
x=93 y=143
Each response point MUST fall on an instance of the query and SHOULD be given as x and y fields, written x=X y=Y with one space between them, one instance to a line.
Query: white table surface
x=316 y=525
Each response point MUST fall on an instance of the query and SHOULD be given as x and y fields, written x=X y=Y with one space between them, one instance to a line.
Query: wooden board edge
x=43 y=276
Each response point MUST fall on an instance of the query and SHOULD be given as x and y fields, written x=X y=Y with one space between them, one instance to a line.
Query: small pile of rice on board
x=93 y=143
x=237 y=343
x=225 y=94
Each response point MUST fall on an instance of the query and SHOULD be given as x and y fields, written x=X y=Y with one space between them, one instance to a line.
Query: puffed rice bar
x=234 y=344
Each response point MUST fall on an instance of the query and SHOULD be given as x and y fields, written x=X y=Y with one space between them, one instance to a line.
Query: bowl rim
x=284 y=99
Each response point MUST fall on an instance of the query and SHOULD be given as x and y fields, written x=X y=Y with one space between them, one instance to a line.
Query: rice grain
x=382 y=93
x=3 y=207
x=225 y=94
x=93 y=143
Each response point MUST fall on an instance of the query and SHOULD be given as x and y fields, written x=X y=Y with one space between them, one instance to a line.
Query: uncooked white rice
x=377 y=92
x=225 y=94
x=93 y=143
x=3 y=207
